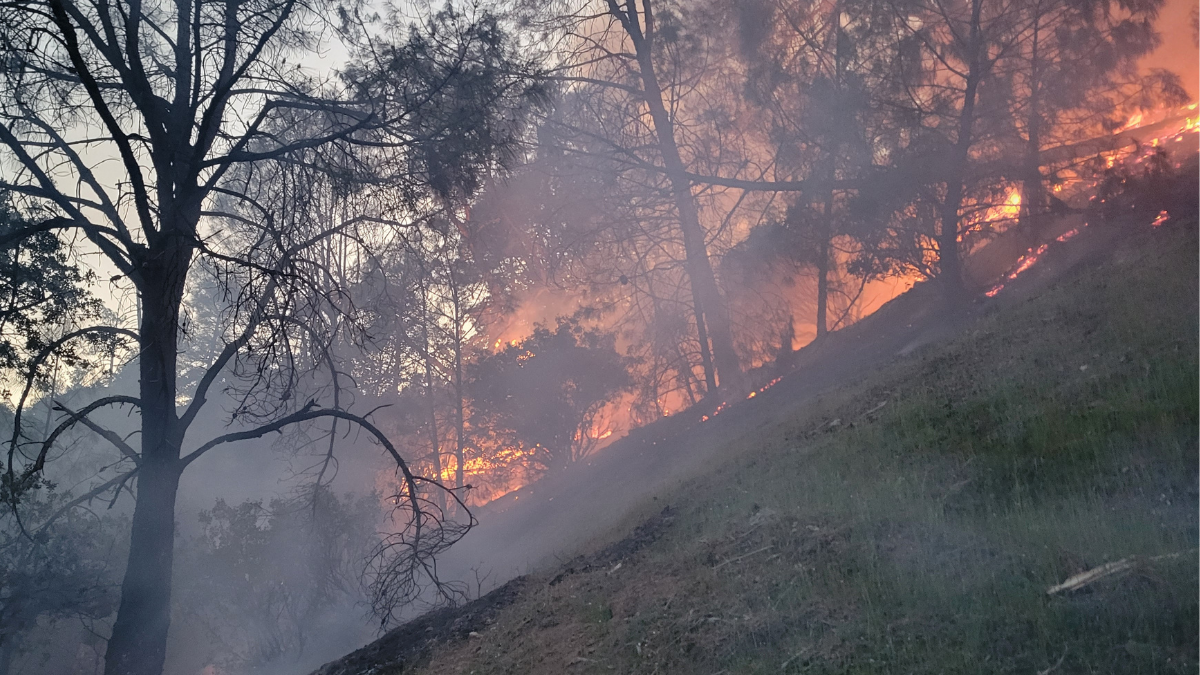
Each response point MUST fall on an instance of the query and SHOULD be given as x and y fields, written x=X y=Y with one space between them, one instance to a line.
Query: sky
x=1178 y=52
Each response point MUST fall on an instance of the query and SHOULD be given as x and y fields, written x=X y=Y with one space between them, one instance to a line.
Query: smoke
x=1179 y=51
x=754 y=20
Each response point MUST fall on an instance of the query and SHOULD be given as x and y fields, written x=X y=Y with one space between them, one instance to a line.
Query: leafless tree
x=179 y=139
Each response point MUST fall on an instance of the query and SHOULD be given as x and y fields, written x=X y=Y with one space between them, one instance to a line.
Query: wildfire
x=1134 y=120
x=724 y=405
x=1011 y=209
x=1028 y=260
x=490 y=467
x=1069 y=234
x=1187 y=121
x=1169 y=129
x=756 y=392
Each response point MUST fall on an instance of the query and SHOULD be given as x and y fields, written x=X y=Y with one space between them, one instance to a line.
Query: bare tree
x=176 y=138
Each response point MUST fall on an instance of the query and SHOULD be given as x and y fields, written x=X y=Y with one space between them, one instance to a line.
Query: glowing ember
x=1068 y=235
x=1028 y=260
x=725 y=404
x=1162 y=218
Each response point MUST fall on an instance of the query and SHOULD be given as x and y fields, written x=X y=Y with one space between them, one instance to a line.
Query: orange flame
x=1028 y=260
x=1068 y=235
x=1134 y=120
x=725 y=404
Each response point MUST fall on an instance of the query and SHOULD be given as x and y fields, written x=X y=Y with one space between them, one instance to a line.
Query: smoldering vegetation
x=296 y=296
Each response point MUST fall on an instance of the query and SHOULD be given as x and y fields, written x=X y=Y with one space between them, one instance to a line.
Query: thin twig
x=740 y=557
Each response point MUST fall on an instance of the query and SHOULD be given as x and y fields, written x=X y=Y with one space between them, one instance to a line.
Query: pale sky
x=1178 y=52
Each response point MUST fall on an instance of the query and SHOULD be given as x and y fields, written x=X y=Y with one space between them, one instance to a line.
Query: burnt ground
x=543 y=525
x=411 y=644
x=408 y=645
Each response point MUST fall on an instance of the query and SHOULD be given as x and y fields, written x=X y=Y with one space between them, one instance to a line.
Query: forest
x=293 y=291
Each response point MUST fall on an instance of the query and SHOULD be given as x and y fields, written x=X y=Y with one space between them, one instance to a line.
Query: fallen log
x=1078 y=581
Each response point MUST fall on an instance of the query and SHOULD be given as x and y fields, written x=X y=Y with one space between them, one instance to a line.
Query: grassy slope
x=1058 y=434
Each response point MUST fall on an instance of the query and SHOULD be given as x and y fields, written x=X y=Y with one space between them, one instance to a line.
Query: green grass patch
x=920 y=537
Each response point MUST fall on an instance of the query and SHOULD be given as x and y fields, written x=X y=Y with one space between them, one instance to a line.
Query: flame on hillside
x=1179 y=124
x=1134 y=121
x=498 y=468
x=725 y=404
x=1026 y=261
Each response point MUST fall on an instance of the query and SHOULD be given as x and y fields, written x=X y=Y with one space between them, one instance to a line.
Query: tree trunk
x=710 y=375
x=1033 y=196
x=825 y=230
x=824 y=234
x=439 y=497
x=948 y=253
x=822 y=287
x=699 y=268
x=459 y=418
x=138 y=645
x=434 y=442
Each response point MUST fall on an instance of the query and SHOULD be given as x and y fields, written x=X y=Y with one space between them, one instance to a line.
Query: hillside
x=913 y=520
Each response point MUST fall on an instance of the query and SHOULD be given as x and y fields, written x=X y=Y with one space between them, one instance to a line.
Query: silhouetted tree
x=209 y=133
x=545 y=391
x=41 y=289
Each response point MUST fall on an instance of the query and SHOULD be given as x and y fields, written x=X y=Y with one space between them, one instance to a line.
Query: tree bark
x=138 y=645
x=825 y=229
x=948 y=253
x=1033 y=196
x=710 y=375
x=459 y=394
x=823 y=236
x=434 y=441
